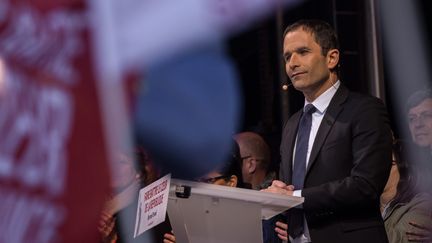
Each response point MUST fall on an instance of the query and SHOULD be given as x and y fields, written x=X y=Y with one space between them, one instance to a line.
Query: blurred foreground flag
x=53 y=163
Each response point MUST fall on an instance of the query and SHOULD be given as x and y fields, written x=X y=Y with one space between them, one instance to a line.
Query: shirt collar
x=322 y=102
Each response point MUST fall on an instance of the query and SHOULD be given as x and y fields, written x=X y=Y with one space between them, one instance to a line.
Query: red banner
x=53 y=163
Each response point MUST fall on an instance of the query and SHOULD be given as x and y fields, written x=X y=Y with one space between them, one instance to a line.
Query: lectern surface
x=213 y=214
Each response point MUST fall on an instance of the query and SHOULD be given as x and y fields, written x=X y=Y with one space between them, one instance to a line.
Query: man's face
x=217 y=178
x=304 y=63
x=420 y=123
x=247 y=177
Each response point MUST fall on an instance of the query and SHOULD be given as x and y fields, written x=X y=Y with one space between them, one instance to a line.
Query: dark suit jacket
x=348 y=168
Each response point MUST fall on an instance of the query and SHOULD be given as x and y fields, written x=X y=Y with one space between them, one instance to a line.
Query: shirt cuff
x=297 y=193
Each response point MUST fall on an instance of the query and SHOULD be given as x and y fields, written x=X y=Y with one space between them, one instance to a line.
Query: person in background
x=255 y=160
x=419 y=114
x=404 y=204
x=119 y=212
x=419 y=117
x=152 y=172
x=336 y=151
x=127 y=178
x=255 y=164
x=227 y=174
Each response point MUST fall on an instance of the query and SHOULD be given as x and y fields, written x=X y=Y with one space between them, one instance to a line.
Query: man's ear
x=332 y=58
x=233 y=181
x=252 y=165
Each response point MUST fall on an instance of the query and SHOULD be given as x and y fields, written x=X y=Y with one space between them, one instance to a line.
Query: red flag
x=53 y=161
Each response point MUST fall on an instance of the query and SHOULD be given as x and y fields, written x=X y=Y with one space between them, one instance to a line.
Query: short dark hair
x=418 y=97
x=323 y=33
x=413 y=178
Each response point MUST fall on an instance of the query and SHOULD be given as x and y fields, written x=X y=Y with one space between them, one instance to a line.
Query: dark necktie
x=295 y=226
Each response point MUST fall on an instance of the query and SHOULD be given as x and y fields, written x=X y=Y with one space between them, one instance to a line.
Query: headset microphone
x=286 y=86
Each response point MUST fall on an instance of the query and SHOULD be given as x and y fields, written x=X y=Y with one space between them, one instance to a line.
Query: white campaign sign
x=152 y=205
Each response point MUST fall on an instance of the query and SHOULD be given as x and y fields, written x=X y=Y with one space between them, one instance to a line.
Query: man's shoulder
x=357 y=96
x=356 y=101
x=362 y=96
x=294 y=117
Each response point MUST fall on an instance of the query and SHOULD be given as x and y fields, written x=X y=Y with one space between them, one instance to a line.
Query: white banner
x=152 y=205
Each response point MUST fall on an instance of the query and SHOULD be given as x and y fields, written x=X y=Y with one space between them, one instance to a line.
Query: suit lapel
x=291 y=139
x=333 y=110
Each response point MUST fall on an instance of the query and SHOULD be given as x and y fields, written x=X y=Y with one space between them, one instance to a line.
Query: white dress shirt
x=321 y=103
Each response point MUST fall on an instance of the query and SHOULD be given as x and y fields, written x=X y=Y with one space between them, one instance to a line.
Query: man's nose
x=293 y=61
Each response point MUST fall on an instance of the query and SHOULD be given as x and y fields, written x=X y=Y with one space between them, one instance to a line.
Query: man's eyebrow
x=297 y=50
x=302 y=48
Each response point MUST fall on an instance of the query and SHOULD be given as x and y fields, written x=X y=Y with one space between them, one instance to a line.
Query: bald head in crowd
x=255 y=158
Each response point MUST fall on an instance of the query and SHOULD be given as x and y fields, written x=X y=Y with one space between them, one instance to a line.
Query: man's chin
x=298 y=85
x=423 y=143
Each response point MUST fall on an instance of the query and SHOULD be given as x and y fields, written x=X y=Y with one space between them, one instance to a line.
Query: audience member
x=419 y=112
x=125 y=182
x=255 y=164
x=228 y=174
x=336 y=152
x=255 y=160
x=118 y=216
x=152 y=172
x=405 y=207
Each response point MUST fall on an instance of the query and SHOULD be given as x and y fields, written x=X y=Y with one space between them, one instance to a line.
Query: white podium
x=205 y=213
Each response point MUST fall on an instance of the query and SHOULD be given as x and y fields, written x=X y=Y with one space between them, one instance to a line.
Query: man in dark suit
x=336 y=152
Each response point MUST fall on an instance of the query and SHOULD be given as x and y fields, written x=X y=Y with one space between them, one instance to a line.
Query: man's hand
x=169 y=238
x=282 y=230
x=421 y=233
x=280 y=188
x=106 y=228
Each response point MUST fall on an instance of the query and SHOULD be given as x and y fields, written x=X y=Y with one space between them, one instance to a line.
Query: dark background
x=256 y=53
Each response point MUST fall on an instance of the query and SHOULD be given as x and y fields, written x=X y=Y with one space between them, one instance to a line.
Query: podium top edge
x=249 y=195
